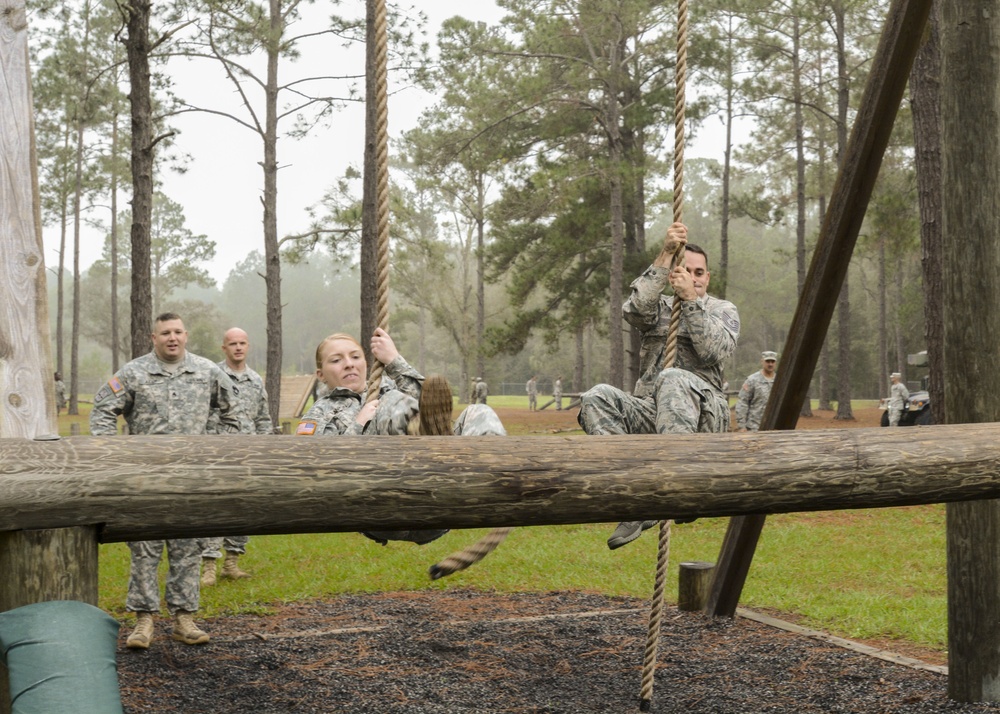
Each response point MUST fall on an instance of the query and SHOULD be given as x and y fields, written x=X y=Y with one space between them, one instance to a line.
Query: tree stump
x=694 y=582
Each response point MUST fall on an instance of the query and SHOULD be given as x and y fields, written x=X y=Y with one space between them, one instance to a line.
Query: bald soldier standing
x=168 y=391
x=255 y=418
x=754 y=394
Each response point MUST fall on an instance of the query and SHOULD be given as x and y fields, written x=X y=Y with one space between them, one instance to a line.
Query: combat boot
x=186 y=631
x=628 y=531
x=142 y=634
x=208 y=573
x=230 y=569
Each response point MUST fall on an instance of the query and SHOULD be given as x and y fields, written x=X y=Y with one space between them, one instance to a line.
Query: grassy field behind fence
x=861 y=574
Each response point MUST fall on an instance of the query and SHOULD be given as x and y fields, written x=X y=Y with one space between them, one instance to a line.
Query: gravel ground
x=437 y=651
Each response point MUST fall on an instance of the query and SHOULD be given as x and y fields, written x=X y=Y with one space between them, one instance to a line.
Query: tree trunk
x=727 y=156
x=137 y=47
x=823 y=402
x=115 y=337
x=844 y=410
x=883 y=342
x=480 y=276
x=616 y=365
x=970 y=138
x=272 y=255
x=897 y=321
x=925 y=81
x=578 y=383
x=63 y=225
x=800 y=176
x=80 y=119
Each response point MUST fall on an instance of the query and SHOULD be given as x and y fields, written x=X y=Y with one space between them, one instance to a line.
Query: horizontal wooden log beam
x=145 y=487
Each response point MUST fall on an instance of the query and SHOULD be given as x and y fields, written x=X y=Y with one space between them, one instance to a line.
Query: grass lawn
x=869 y=574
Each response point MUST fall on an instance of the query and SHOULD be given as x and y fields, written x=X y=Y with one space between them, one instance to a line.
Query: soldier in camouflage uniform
x=532 y=389
x=168 y=391
x=402 y=400
x=60 y=393
x=479 y=392
x=557 y=393
x=255 y=418
x=753 y=395
x=688 y=397
x=898 y=395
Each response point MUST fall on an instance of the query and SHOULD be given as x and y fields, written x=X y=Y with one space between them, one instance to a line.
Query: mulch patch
x=437 y=651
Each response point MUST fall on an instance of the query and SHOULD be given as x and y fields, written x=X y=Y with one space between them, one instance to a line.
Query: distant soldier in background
x=60 y=393
x=254 y=418
x=480 y=391
x=168 y=391
x=753 y=395
x=557 y=393
x=898 y=395
x=532 y=389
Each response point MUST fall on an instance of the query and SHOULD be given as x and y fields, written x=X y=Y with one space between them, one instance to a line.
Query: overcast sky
x=222 y=187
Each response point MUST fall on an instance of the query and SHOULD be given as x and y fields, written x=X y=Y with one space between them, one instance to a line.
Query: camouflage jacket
x=751 y=401
x=709 y=329
x=898 y=395
x=154 y=401
x=251 y=402
x=335 y=413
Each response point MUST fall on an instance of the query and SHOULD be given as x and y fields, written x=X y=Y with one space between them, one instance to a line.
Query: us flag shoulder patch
x=116 y=385
x=306 y=428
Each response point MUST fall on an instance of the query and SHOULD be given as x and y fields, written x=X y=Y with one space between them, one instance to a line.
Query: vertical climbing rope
x=663 y=544
x=380 y=77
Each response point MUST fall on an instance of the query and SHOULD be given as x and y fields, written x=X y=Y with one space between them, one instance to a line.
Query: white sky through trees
x=222 y=187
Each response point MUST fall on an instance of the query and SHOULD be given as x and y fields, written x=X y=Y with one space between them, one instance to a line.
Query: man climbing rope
x=683 y=399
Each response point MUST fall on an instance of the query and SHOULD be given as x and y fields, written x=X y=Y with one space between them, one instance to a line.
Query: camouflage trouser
x=183 y=577
x=532 y=401
x=681 y=403
x=894 y=415
x=213 y=547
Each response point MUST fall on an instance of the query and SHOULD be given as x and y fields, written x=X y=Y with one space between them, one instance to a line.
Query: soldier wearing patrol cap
x=898 y=394
x=168 y=391
x=754 y=394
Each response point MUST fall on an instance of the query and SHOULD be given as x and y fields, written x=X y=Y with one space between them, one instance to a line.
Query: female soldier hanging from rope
x=405 y=403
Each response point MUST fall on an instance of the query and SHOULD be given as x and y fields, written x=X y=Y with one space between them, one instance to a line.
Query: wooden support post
x=901 y=37
x=286 y=427
x=970 y=202
x=46 y=564
x=694 y=581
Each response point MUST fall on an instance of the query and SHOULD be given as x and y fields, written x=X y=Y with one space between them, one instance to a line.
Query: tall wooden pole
x=46 y=564
x=890 y=70
x=970 y=112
